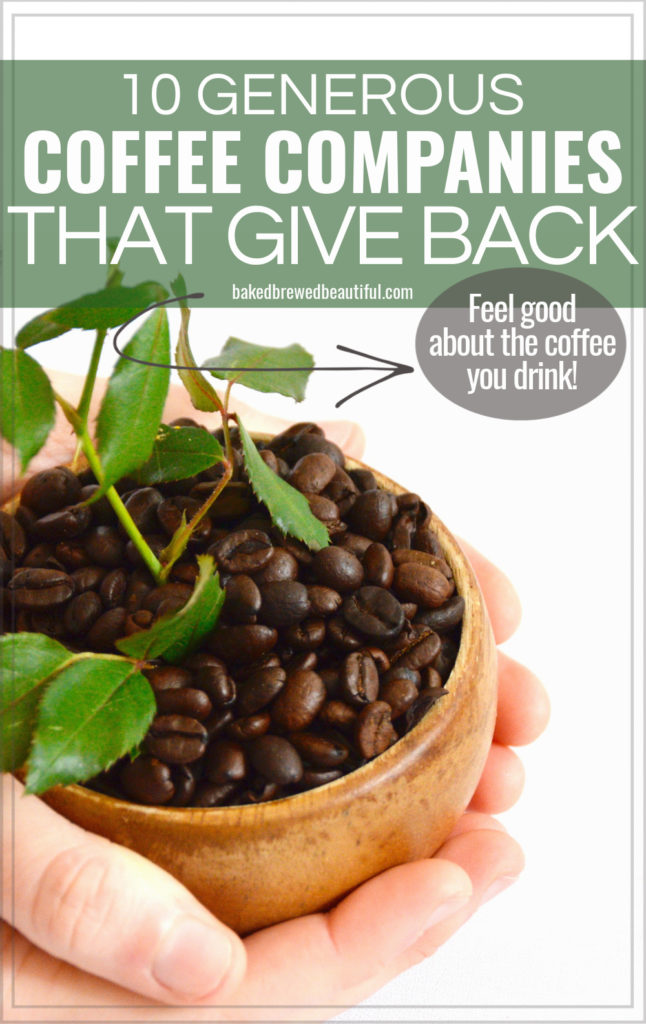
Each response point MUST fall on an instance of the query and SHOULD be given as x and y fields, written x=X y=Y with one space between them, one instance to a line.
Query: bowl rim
x=309 y=802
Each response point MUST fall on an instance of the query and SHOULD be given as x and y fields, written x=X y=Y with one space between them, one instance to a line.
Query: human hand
x=98 y=926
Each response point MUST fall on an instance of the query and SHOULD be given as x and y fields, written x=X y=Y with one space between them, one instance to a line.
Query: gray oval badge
x=520 y=344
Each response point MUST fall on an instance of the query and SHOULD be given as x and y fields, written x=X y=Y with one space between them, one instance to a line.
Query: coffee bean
x=312 y=779
x=184 y=781
x=64 y=524
x=12 y=537
x=323 y=600
x=378 y=566
x=399 y=671
x=372 y=514
x=359 y=679
x=249 y=728
x=177 y=593
x=42 y=557
x=147 y=780
x=243 y=599
x=210 y=794
x=445 y=617
x=319 y=751
x=342 y=635
x=422 y=583
x=374 y=731
x=40 y=588
x=400 y=693
x=188 y=701
x=338 y=715
x=184 y=572
x=105 y=546
x=426 y=540
x=217 y=683
x=48 y=621
x=71 y=554
x=243 y=551
x=326 y=511
x=82 y=612
x=137 y=621
x=342 y=490
x=142 y=505
x=354 y=542
x=259 y=689
x=422 y=650
x=299 y=701
x=107 y=628
x=242 y=644
x=101 y=509
x=261 y=792
x=172 y=511
x=113 y=588
x=276 y=759
x=306 y=635
x=445 y=658
x=235 y=501
x=225 y=762
x=375 y=612
x=403 y=531
x=337 y=568
x=270 y=460
x=364 y=479
x=284 y=603
x=51 y=490
x=426 y=700
x=168 y=677
x=139 y=586
x=176 y=739
x=312 y=473
x=218 y=721
x=281 y=566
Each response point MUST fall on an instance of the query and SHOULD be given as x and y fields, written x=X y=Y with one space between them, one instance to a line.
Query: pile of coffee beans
x=320 y=660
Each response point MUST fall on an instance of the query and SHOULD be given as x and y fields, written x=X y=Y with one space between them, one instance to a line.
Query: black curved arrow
x=395 y=369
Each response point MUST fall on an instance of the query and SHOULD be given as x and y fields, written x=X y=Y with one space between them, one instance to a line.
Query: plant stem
x=88 y=387
x=182 y=536
x=150 y=560
x=224 y=413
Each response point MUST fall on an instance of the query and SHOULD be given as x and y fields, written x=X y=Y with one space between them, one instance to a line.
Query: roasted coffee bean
x=105 y=546
x=337 y=568
x=168 y=677
x=319 y=751
x=242 y=644
x=380 y=658
x=276 y=759
x=294 y=547
x=188 y=701
x=445 y=617
x=303 y=660
x=341 y=634
x=306 y=635
x=172 y=511
x=210 y=794
x=218 y=721
x=139 y=586
x=284 y=603
x=378 y=566
x=243 y=599
x=249 y=728
x=281 y=566
x=431 y=679
x=260 y=792
x=422 y=650
x=312 y=779
x=326 y=511
x=323 y=600
x=177 y=593
x=422 y=584
x=113 y=588
x=184 y=781
x=142 y=505
x=136 y=622
x=101 y=509
x=299 y=701
x=425 y=701
x=217 y=683
x=184 y=572
x=400 y=555
x=410 y=609
x=72 y=554
x=82 y=612
x=107 y=628
x=176 y=739
x=403 y=531
x=225 y=762
x=313 y=473
x=34 y=589
x=282 y=441
x=342 y=490
x=12 y=537
x=359 y=679
x=375 y=612
x=259 y=689
x=235 y=501
x=270 y=660
x=51 y=490
x=372 y=514
x=147 y=780
x=364 y=479
x=243 y=551
x=426 y=540
x=270 y=460
x=445 y=658
x=408 y=502
x=338 y=715
x=400 y=693
x=64 y=524
x=399 y=671
x=48 y=621
x=374 y=730
x=26 y=518
x=42 y=557
x=355 y=543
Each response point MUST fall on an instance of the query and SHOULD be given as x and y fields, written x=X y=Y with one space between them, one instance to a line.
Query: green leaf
x=201 y=392
x=173 y=637
x=28 y=662
x=97 y=312
x=179 y=452
x=287 y=507
x=132 y=408
x=271 y=367
x=95 y=711
x=27 y=411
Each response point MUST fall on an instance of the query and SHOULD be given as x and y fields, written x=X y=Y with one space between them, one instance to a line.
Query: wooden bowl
x=260 y=864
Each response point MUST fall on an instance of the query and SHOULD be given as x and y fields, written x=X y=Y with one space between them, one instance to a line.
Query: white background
x=549 y=500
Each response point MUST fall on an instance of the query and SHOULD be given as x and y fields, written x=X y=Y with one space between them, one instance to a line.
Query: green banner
x=299 y=183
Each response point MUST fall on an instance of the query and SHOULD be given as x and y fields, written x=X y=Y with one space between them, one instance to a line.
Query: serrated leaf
x=98 y=311
x=95 y=711
x=173 y=637
x=27 y=411
x=287 y=507
x=132 y=408
x=179 y=452
x=28 y=662
x=201 y=392
x=273 y=368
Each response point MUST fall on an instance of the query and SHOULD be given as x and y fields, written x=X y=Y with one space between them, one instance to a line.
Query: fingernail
x=192 y=959
x=499 y=885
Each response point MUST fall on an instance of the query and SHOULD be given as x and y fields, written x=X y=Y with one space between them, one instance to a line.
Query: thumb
x=109 y=911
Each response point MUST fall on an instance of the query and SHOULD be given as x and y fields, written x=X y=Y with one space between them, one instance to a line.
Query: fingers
x=317 y=958
x=501 y=782
x=523 y=704
x=500 y=597
x=111 y=912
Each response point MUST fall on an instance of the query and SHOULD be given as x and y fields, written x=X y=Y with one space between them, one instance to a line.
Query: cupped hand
x=93 y=931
